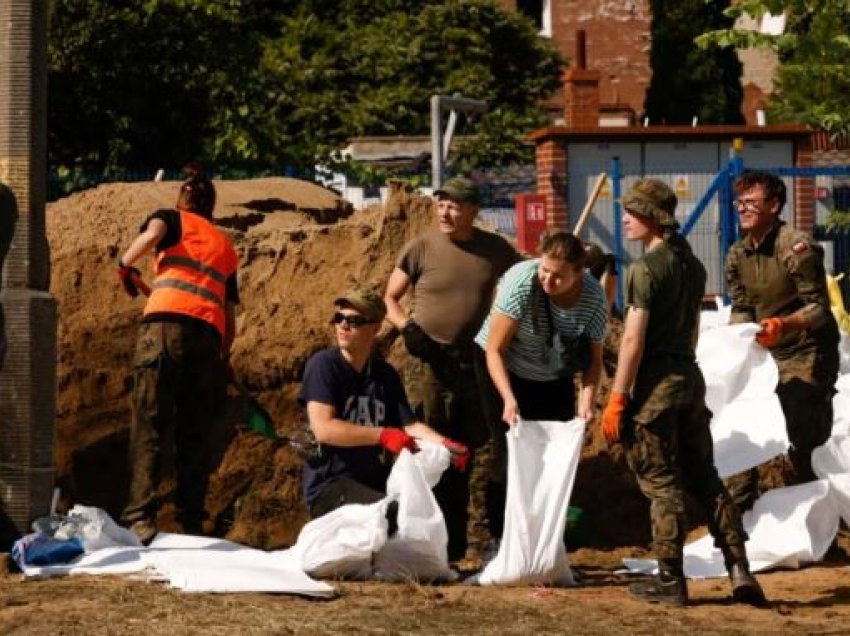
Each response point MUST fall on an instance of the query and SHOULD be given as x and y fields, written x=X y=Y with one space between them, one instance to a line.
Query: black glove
x=128 y=277
x=417 y=342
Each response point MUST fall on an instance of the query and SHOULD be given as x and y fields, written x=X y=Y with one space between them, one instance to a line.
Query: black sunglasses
x=352 y=320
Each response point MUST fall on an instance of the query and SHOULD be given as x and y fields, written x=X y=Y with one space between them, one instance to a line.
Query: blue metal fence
x=719 y=192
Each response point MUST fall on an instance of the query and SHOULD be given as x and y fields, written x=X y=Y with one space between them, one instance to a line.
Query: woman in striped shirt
x=547 y=323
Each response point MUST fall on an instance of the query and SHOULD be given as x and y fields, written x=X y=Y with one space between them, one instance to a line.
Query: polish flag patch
x=799 y=247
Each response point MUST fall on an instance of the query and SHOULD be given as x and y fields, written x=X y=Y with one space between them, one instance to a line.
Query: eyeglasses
x=350 y=320
x=748 y=204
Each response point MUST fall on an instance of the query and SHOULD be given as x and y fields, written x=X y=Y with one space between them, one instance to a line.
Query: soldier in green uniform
x=775 y=276
x=657 y=405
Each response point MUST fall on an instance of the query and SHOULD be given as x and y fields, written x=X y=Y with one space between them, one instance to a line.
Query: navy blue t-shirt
x=373 y=398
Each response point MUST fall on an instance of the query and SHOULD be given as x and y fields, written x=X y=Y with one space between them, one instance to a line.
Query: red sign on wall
x=530 y=221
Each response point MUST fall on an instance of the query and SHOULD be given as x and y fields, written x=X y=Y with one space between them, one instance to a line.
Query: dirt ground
x=815 y=600
x=299 y=246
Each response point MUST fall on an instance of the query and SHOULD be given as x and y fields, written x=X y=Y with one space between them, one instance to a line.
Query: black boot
x=745 y=587
x=669 y=587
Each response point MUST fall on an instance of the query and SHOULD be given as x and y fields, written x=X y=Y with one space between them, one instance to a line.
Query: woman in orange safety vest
x=181 y=353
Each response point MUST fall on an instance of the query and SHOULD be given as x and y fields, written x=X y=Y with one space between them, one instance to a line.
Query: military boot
x=745 y=587
x=669 y=587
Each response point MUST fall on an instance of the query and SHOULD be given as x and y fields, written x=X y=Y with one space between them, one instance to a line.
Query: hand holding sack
x=128 y=276
x=612 y=416
x=395 y=440
x=771 y=332
x=459 y=454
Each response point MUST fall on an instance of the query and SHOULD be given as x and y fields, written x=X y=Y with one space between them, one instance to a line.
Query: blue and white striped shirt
x=527 y=354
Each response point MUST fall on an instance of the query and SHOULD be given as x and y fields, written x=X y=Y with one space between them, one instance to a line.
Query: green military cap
x=653 y=199
x=367 y=302
x=460 y=189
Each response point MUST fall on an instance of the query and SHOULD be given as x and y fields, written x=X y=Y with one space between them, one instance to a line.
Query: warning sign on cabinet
x=682 y=186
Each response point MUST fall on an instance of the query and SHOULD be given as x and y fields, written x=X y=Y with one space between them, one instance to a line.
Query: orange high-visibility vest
x=191 y=276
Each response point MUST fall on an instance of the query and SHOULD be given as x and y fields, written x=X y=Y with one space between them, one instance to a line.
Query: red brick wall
x=804 y=189
x=617 y=45
x=552 y=181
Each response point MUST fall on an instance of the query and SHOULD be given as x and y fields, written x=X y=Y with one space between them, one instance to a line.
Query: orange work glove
x=612 y=416
x=771 y=332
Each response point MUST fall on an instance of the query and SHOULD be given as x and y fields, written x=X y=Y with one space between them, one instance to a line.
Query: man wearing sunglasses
x=358 y=412
x=775 y=276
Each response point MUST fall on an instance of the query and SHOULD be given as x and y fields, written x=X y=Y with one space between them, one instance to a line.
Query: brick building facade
x=617 y=45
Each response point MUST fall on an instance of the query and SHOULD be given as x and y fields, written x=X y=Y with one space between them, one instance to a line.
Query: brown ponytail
x=197 y=194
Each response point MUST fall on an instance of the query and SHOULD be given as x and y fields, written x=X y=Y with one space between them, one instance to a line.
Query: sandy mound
x=299 y=246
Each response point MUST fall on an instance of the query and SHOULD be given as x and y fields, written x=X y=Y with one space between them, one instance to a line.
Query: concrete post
x=28 y=381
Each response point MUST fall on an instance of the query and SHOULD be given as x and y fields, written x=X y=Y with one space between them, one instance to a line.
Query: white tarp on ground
x=351 y=541
x=542 y=462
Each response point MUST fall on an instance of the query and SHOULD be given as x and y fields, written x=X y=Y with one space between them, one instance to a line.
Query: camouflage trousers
x=668 y=446
x=443 y=393
x=178 y=387
x=805 y=390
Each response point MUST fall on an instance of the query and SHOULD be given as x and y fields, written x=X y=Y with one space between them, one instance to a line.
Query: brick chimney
x=581 y=90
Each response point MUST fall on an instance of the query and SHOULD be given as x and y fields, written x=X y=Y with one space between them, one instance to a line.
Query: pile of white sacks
x=787 y=526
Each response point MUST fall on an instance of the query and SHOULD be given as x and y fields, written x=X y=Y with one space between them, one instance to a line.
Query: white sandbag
x=787 y=527
x=841 y=406
x=542 y=462
x=351 y=541
x=844 y=353
x=340 y=544
x=419 y=549
x=831 y=461
x=748 y=425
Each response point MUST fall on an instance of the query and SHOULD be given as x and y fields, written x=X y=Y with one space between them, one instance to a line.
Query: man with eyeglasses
x=775 y=276
x=358 y=413
x=451 y=272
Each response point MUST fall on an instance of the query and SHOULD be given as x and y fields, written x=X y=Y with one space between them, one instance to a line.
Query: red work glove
x=395 y=440
x=771 y=332
x=459 y=454
x=612 y=416
x=127 y=275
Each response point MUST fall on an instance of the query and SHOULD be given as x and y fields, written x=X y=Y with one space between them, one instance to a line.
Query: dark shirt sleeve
x=409 y=261
x=318 y=383
x=742 y=309
x=640 y=288
x=231 y=290
x=174 y=229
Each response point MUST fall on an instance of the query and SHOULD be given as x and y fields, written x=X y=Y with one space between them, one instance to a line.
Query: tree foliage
x=813 y=79
x=272 y=82
x=687 y=81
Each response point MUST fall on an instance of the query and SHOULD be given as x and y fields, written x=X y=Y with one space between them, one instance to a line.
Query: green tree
x=813 y=79
x=687 y=81
x=260 y=83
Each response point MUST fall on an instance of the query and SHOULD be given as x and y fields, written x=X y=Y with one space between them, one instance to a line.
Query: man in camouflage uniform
x=775 y=276
x=657 y=404
x=452 y=272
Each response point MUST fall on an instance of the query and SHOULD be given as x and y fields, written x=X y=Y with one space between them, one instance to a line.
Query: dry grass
x=815 y=600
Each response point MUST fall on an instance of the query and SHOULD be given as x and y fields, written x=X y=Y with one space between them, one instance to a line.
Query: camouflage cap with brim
x=368 y=303
x=653 y=199
x=460 y=189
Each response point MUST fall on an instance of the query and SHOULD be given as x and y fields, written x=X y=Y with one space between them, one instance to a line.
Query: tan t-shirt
x=453 y=281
